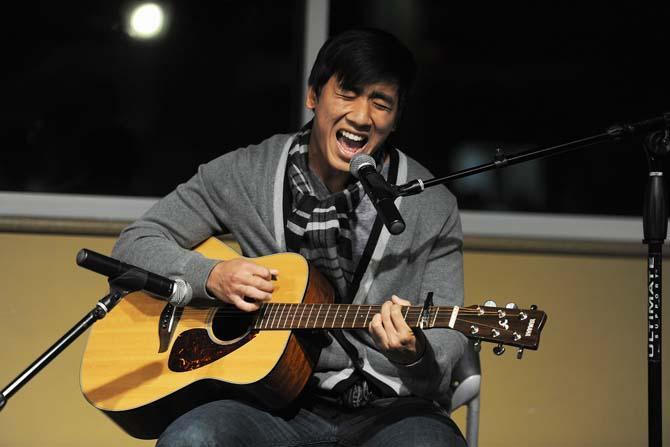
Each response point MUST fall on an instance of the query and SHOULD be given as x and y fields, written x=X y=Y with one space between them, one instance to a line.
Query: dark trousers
x=404 y=421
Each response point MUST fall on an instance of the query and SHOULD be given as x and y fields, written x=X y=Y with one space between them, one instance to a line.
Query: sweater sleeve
x=430 y=376
x=160 y=241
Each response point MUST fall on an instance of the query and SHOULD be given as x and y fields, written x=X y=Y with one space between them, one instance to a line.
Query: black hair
x=364 y=56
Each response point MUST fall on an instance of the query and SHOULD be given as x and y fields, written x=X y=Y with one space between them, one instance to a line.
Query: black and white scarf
x=320 y=229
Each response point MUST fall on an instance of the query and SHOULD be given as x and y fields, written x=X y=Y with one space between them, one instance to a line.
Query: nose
x=359 y=116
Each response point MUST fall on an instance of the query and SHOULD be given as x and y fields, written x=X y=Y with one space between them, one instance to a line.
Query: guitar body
x=147 y=362
x=206 y=356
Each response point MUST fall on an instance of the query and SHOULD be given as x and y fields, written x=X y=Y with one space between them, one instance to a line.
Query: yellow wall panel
x=585 y=386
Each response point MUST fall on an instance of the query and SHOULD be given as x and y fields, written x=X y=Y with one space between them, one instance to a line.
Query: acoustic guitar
x=148 y=362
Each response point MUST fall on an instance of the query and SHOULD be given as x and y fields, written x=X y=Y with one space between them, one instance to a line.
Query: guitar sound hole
x=230 y=324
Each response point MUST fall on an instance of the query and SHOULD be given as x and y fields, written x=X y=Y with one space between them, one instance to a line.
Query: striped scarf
x=319 y=229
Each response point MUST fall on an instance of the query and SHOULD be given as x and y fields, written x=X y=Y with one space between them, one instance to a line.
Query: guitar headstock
x=502 y=325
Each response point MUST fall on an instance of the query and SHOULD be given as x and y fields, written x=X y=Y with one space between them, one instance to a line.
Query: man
x=378 y=387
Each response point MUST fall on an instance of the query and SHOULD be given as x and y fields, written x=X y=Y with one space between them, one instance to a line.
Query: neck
x=334 y=179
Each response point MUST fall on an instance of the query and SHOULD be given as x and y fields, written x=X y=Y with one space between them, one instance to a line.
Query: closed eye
x=382 y=101
x=349 y=96
x=382 y=106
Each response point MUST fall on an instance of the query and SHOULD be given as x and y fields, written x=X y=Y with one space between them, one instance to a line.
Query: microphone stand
x=655 y=220
x=120 y=286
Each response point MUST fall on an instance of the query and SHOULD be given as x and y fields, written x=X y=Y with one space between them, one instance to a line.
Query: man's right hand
x=233 y=281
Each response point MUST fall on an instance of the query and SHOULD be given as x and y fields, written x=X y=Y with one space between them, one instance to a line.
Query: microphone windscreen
x=360 y=160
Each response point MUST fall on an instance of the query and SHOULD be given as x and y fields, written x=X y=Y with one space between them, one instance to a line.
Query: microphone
x=381 y=193
x=177 y=291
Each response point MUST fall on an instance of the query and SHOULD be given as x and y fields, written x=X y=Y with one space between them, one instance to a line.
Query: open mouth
x=351 y=142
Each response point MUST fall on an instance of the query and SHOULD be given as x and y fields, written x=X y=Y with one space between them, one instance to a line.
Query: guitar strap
x=361 y=387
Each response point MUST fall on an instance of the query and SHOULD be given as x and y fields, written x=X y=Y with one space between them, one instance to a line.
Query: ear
x=395 y=124
x=312 y=99
x=396 y=120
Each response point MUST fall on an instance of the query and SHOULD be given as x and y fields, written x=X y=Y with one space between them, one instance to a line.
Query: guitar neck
x=516 y=327
x=285 y=316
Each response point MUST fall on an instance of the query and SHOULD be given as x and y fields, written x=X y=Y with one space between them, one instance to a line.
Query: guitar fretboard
x=342 y=316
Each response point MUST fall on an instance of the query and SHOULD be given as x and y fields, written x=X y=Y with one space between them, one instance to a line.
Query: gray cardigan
x=241 y=192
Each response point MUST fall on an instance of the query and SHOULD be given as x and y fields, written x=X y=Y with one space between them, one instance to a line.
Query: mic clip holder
x=500 y=159
x=120 y=286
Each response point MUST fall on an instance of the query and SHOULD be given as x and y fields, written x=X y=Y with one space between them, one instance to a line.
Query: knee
x=438 y=431
x=419 y=431
x=213 y=424
x=194 y=434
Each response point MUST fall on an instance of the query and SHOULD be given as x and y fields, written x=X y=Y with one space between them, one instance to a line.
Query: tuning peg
x=511 y=306
x=499 y=350
x=490 y=303
x=519 y=353
x=477 y=346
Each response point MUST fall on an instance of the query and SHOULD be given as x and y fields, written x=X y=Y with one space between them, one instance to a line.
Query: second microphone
x=380 y=192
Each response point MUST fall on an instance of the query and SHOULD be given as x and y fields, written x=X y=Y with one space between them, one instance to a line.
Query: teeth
x=352 y=136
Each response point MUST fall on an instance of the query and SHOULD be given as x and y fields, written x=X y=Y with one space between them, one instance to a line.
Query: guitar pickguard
x=194 y=349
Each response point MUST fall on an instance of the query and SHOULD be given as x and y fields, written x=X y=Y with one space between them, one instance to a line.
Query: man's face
x=347 y=123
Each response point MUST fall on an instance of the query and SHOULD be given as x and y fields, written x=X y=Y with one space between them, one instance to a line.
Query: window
x=523 y=77
x=87 y=109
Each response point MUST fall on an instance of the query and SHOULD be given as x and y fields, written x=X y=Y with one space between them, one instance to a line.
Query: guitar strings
x=322 y=313
x=269 y=313
x=275 y=310
x=261 y=318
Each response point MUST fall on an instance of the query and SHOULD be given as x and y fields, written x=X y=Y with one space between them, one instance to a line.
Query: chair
x=465 y=383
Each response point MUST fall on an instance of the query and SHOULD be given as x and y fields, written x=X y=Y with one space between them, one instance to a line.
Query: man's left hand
x=396 y=340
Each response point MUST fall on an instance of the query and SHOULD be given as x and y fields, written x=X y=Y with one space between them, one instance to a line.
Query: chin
x=341 y=165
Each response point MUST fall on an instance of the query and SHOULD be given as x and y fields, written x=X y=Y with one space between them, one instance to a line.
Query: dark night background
x=88 y=110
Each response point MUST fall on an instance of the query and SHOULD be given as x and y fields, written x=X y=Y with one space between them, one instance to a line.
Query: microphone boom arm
x=616 y=132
